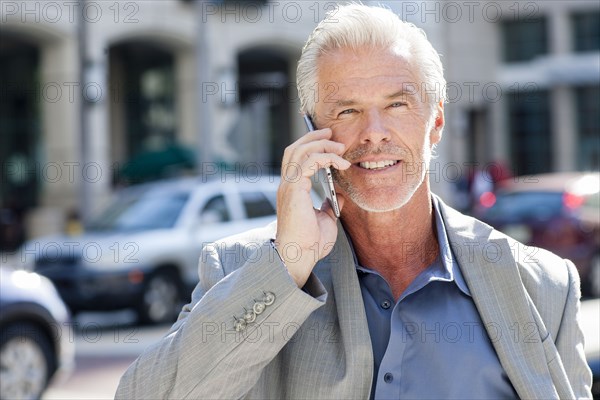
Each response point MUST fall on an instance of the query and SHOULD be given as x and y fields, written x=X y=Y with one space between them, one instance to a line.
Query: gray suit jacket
x=314 y=343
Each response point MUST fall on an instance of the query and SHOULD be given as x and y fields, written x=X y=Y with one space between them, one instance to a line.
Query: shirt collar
x=449 y=262
x=444 y=268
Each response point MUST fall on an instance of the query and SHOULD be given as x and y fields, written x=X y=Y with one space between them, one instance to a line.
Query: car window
x=146 y=211
x=215 y=210
x=527 y=205
x=257 y=205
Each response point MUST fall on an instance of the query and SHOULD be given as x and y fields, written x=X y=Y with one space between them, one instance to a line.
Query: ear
x=438 y=125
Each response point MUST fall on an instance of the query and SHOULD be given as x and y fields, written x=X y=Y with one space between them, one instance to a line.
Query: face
x=373 y=106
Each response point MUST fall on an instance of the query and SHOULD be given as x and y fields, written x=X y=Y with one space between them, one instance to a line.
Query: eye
x=397 y=104
x=347 y=112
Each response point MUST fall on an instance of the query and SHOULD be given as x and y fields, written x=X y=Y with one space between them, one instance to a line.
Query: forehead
x=368 y=71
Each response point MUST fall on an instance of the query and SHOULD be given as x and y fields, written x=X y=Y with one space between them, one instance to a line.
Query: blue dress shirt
x=431 y=343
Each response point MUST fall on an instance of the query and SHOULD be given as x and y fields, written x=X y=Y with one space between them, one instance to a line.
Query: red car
x=559 y=212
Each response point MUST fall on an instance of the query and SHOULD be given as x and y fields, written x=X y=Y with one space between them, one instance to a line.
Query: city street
x=105 y=346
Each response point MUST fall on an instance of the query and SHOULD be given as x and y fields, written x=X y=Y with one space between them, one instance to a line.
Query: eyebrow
x=399 y=93
x=345 y=103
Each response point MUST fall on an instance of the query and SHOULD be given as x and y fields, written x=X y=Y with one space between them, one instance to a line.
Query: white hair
x=355 y=26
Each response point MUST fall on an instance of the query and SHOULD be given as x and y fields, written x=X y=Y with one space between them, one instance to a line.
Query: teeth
x=377 y=164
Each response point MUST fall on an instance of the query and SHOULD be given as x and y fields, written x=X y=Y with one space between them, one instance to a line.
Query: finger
x=307 y=138
x=311 y=137
x=316 y=161
x=293 y=171
x=303 y=152
x=319 y=146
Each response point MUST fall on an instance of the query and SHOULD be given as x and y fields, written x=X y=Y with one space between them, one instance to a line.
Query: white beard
x=410 y=181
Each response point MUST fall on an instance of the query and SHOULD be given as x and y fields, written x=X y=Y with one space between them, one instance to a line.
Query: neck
x=398 y=244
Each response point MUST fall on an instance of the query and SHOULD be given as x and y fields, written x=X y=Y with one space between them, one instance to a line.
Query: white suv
x=142 y=251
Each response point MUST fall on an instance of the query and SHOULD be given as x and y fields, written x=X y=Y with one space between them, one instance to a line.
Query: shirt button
x=388 y=378
x=386 y=304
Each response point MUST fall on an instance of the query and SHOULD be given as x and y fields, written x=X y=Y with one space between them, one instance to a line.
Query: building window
x=21 y=137
x=530 y=132
x=144 y=75
x=586 y=31
x=524 y=39
x=265 y=94
x=588 y=124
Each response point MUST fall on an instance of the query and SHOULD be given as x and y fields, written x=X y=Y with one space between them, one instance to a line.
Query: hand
x=306 y=235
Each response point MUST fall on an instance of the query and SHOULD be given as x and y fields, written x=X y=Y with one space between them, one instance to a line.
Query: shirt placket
x=389 y=377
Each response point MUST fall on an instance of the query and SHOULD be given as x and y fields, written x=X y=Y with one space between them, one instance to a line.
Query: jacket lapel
x=354 y=329
x=492 y=274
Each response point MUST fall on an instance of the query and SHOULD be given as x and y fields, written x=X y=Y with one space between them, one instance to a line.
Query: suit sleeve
x=202 y=356
x=570 y=340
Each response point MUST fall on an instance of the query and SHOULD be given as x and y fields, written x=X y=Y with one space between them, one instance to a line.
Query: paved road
x=105 y=345
x=96 y=377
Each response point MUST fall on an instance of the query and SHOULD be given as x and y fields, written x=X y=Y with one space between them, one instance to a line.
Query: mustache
x=366 y=150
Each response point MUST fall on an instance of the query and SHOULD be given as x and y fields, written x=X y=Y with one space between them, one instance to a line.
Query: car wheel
x=161 y=298
x=26 y=361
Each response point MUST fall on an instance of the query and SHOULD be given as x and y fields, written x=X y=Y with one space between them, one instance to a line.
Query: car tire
x=27 y=361
x=161 y=298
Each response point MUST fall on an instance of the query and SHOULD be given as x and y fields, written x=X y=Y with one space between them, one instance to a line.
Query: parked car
x=142 y=251
x=35 y=344
x=559 y=212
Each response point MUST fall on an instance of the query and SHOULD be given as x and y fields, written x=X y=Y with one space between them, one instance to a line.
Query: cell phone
x=324 y=177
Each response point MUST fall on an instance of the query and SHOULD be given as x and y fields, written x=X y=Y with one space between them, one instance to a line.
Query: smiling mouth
x=375 y=165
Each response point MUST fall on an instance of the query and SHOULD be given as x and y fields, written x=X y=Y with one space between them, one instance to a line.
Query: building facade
x=89 y=86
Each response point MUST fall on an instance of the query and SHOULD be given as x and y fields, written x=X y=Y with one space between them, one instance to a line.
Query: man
x=403 y=297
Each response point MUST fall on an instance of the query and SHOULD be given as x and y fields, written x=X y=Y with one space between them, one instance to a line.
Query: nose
x=374 y=129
